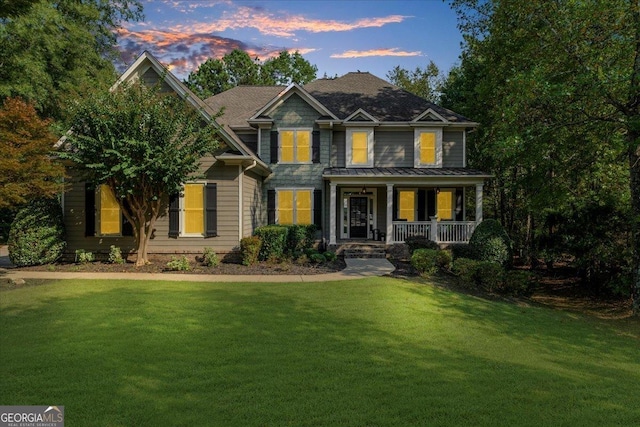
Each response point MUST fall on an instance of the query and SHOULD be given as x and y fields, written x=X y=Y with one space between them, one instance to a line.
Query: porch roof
x=402 y=172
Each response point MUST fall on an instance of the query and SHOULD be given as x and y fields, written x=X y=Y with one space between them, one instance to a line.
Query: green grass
x=374 y=352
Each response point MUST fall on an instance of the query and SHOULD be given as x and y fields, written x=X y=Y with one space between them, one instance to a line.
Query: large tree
x=144 y=145
x=26 y=144
x=560 y=83
x=238 y=68
x=52 y=50
x=425 y=82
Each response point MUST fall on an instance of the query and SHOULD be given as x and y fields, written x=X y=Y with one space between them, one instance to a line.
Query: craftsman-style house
x=357 y=156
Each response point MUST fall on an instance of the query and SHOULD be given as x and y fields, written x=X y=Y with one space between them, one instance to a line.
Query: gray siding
x=453 y=149
x=226 y=178
x=393 y=149
x=252 y=215
x=151 y=78
x=338 y=148
x=250 y=140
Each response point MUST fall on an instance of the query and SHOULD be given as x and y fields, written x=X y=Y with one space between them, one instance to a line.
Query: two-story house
x=356 y=155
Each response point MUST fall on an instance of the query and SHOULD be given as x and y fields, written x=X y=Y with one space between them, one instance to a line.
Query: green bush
x=274 y=240
x=488 y=276
x=465 y=269
x=517 y=282
x=425 y=261
x=37 y=234
x=462 y=250
x=84 y=257
x=330 y=256
x=318 y=258
x=444 y=259
x=420 y=242
x=300 y=237
x=115 y=255
x=250 y=249
x=491 y=243
x=179 y=264
x=210 y=258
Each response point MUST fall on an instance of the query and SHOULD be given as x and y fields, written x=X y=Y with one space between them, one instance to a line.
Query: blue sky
x=336 y=36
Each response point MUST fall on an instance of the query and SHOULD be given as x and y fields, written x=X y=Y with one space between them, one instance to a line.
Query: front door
x=358 y=217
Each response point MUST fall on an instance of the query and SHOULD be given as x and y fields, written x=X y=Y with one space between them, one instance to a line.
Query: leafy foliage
x=37 y=234
x=115 y=255
x=300 y=237
x=84 y=257
x=274 y=241
x=143 y=144
x=250 y=249
x=28 y=170
x=237 y=68
x=425 y=261
x=180 y=263
x=425 y=82
x=210 y=258
x=419 y=242
x=491 y=243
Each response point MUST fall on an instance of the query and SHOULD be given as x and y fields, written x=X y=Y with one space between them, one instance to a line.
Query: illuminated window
x=295 y=146
x=428 y=148
x=445 y=204
x=406 y=205
x=295 y=207
x=110 y=216
x=360 y=147
x=194 y=209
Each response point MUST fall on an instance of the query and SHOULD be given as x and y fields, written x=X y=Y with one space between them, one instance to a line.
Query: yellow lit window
x=109 y=212
x=445 y=204
x=303 y=142
x=428 y=148
x=286 y=140
x=303 y=207
x=407 y=205
x=285 y=207
x=295 y=146
x=194 y=209
x=359 y=148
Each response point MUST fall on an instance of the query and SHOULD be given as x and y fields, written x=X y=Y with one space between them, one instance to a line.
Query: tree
x=144 y=145
x=26 y=145
x=561 y=81
x=237 y=68
x=287 y=68
x=426 y=83
x=51 y=51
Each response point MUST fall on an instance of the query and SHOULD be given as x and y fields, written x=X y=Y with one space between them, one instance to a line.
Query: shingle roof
x=241 y=102
x=384 y=101
x=395 y=172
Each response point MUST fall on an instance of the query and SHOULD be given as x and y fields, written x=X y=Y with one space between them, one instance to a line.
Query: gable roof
x=240 y=103
x=381 y=99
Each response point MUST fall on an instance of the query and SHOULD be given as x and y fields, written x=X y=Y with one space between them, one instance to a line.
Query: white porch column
x=479 y=203
x=434 y=229
x=389 y=239
x=332 y=213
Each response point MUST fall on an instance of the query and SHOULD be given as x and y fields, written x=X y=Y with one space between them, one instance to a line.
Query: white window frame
x=349 y=147
x=295 y=145
x=182 y=219
x=416 y=147
x=295 y=195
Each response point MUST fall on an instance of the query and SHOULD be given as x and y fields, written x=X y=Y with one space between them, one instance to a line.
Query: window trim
x=349 y=147
x=295 y=145
x=295 y=210
x=182 y=214
x=416 y=148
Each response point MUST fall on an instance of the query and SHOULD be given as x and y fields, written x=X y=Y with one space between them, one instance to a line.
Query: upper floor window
x=359 y=147
x=427 y=148
x=295 y=146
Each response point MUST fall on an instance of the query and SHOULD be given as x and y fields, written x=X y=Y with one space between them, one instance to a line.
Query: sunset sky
x=336 y=36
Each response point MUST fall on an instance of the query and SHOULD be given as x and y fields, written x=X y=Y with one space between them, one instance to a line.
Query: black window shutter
x=431 y=204
x=317 y=208
x=271 y=206
x=89 y=210
x=315 y=156
x=174 y=215
x=459 y=201
x=274 y=146
x=127 y=227
x=211 y=214
x=422 y=205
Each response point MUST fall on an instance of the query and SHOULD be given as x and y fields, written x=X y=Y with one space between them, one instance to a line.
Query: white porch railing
x=448 y=231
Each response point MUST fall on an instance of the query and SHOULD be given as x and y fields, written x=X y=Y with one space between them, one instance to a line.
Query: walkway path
x=357 y=268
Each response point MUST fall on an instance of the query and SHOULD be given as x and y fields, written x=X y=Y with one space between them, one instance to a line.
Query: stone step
x=364 y=252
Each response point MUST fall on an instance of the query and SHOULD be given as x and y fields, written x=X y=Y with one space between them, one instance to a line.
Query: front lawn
x=374 y=352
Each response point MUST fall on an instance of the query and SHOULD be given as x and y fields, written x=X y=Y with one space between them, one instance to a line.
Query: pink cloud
x=374 y=52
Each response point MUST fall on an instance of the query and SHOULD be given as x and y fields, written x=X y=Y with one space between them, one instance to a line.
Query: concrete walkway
x=357 y=268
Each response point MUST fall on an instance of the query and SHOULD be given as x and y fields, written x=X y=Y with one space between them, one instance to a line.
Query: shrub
x=250 y=249
x=425 y=261
x=330 y=256
x=419 y=242
x=179 y=264
x=318 y=258
x=491 y=243
x=462 y=250
x=36 y=236
x=444 y=259
x=300 y=237
x=274 y=240
x=488 y=275
x=210 y=258
x=465 y=269
x=84 y=257
x=517 y=282
x=115 y=255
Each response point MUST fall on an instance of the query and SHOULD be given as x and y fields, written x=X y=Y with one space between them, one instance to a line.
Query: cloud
x=281 y=25
x=374 y=52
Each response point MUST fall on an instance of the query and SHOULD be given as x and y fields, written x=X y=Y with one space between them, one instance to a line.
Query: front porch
x=445 y=231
